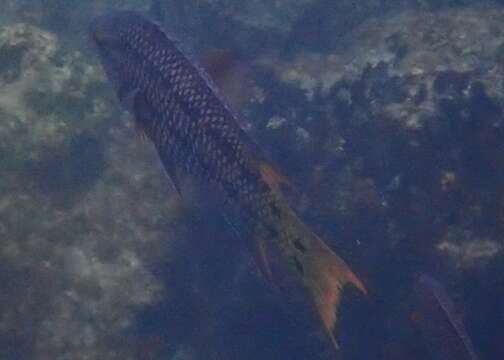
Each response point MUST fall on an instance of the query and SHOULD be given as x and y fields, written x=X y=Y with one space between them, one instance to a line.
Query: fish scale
x=194 y=131
x=205 y=122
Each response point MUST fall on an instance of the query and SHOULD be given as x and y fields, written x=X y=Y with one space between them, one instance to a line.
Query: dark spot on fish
x=299 y=246
x=229 y=189
x=272 y=231
x=275 y=210
x=299 y=266
x=224 y=143
x=249 y=177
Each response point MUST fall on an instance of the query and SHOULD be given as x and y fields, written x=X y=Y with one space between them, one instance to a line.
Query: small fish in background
x=195 y=133
x=435 y=317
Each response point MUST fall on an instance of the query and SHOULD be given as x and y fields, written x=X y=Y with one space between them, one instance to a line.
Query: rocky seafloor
x=390 y=125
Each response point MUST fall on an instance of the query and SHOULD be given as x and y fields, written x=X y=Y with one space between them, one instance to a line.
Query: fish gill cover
x=386 y=115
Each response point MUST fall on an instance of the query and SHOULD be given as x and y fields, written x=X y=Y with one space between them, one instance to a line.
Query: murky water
x=387 y=116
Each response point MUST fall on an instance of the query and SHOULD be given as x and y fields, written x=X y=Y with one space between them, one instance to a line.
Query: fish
x=176 y=105
x=435 y=316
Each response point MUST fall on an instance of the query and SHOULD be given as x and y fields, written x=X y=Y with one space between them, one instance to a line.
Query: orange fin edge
x=346 y=278
x=273 y=177
x=329 y=277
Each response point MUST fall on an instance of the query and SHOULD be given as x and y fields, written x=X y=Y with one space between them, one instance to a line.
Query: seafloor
x=386 y=115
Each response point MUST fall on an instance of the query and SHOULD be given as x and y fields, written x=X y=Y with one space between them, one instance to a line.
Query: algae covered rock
x=415 y=101
x=46 y=94
x=272 y=15
x=79 y=206
x=412 y=57
x=406 y=168
x=69 y=18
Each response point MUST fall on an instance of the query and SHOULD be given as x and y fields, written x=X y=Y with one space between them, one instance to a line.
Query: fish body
x=195 y=132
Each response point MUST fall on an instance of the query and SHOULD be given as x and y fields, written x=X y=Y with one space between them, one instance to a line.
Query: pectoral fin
x=126 y=97
x=142 y=112
x=171 y=172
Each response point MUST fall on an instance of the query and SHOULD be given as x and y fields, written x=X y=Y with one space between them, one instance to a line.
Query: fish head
x=122 y=29
x=110 y=39
x=122 y=39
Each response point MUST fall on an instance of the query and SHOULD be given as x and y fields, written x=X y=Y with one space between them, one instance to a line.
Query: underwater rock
x=80 y=209
x=406 y=169
x=466 y=250
x=422 y=52
x=43 y=94
x=422 y=88
x=395 y=139
x=307 y=24
x=268 y=15
x=66 y=173
x=69 y=18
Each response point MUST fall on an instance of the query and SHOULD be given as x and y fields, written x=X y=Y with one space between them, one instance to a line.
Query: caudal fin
x=325 y=276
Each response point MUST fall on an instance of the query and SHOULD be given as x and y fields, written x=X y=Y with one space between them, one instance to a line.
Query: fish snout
x=101 y=31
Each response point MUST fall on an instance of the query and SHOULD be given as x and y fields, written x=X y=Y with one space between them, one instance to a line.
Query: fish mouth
x=106 y=29
x=101 y=32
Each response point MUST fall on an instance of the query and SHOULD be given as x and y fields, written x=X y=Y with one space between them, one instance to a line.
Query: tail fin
x=325 y=276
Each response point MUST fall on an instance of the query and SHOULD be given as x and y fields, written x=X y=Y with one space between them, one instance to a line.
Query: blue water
x=386 y=115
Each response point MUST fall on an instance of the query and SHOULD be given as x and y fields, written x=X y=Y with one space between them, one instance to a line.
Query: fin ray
x=171 y=173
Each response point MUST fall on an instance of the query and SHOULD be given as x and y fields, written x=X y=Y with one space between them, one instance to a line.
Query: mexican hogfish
x=195 y=133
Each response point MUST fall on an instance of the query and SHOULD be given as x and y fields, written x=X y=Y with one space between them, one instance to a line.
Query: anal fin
x=262 y=259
